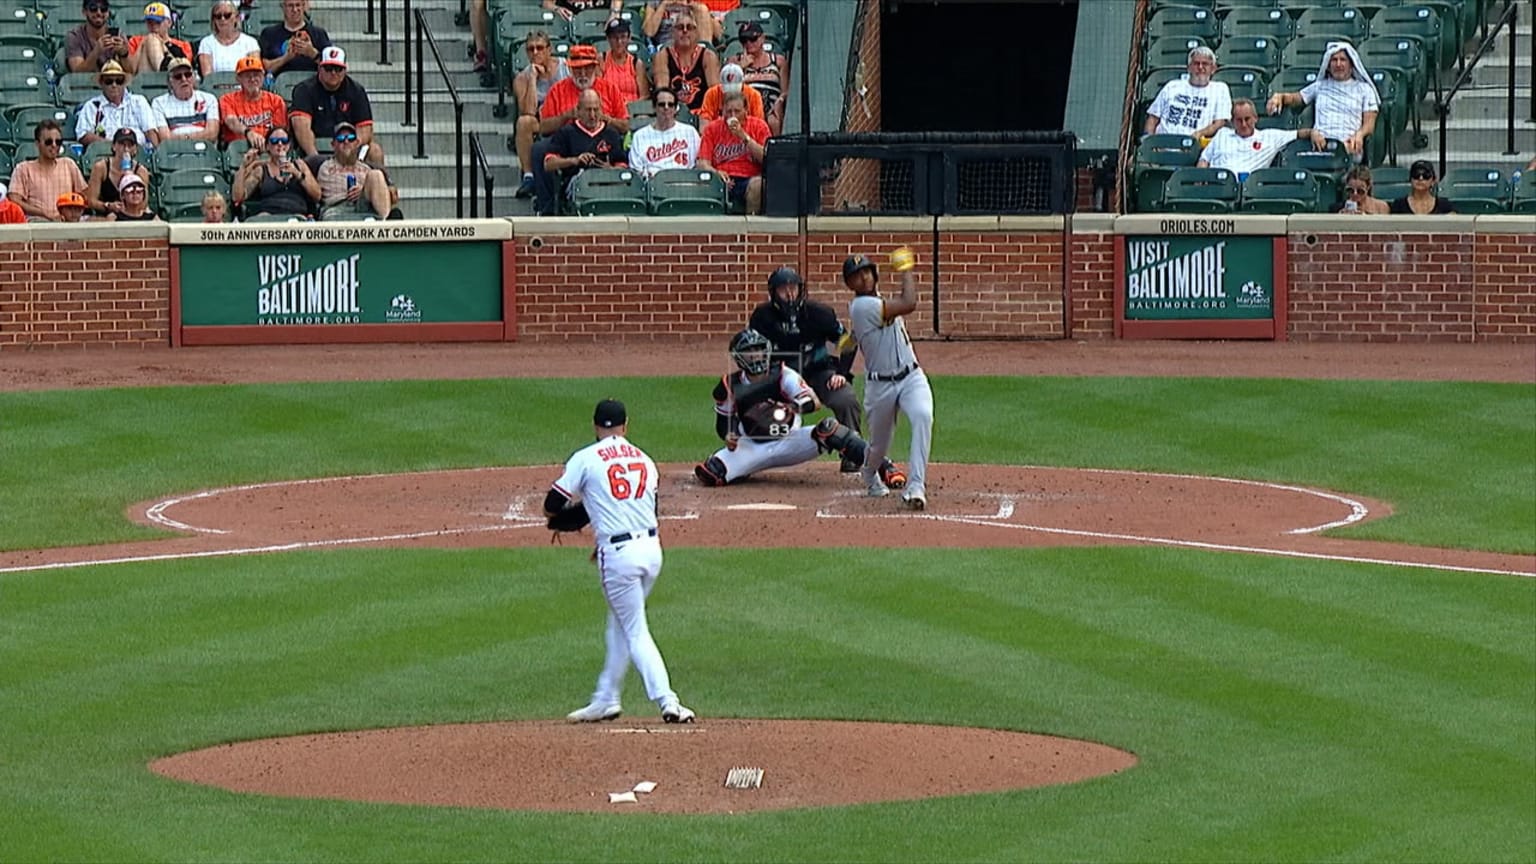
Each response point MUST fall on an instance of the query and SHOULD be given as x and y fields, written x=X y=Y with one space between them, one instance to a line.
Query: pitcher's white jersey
x=617 y=482
x=886 y=347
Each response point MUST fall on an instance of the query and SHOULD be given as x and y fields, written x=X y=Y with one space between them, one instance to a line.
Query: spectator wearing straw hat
x=114 y=109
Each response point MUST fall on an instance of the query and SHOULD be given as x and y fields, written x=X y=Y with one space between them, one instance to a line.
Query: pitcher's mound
x=548 y=765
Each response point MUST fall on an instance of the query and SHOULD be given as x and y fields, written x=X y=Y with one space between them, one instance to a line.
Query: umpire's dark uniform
x=800 y=336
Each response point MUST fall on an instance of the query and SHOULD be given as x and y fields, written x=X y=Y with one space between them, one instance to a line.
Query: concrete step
x=1490 y=103
x=1465 y=136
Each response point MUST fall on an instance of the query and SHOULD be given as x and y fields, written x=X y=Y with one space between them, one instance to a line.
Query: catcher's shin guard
x=892 y=475
x=711 y=472
x=831 y=435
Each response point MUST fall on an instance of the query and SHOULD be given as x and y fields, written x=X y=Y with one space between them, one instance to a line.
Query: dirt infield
x=555 y=766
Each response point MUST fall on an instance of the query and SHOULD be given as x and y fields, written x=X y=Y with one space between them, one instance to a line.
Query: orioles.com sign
x=1183 y=278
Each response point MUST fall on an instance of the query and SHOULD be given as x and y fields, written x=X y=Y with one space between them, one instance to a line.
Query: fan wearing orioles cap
x=327 y=100
x=252 y=110
x=154 y=49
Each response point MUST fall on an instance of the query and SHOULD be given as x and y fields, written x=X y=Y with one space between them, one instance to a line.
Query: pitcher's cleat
x=594 y=713
x=676 y=713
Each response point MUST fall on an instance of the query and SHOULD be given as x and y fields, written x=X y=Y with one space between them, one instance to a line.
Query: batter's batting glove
x=903 y=259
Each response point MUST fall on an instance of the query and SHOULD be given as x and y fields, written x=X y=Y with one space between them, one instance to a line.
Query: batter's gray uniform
x=893 y=382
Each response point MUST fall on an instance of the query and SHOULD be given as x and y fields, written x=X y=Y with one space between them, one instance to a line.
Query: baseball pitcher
x=893 y=380
x=757 y=415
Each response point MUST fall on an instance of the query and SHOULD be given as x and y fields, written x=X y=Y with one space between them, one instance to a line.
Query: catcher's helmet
x=854 y=263
x=751 y=350
x=786 y=276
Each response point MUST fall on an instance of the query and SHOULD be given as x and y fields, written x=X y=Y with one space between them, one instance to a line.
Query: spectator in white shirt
x=665 y=143
x=1347 y=102
x=116 y=108
x=185 y=111
x=1194 y=105
x=221 y=49
x=1244 y=147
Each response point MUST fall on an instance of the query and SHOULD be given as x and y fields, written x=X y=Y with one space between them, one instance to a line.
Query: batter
x=616 y=482
x=893 y=380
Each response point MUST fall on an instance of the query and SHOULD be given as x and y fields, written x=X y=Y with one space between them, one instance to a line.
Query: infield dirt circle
x=550 y=765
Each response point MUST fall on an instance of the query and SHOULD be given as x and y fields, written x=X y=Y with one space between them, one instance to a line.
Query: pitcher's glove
x=572 y=518
x=768 y=420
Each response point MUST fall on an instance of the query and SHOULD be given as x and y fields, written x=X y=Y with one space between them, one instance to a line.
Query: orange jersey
x=725 y=151
x=623 y=76
x=563 y=96
x=135 y=41
x=262 y=113
x=714 y=96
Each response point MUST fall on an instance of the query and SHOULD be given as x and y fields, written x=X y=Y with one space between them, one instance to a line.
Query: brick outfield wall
x=1453 y=287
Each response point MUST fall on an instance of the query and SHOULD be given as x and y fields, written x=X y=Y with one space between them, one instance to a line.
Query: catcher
x=757 y=415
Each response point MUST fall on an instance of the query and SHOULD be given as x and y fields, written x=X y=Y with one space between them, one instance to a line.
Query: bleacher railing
x=415 y=38
x=1508 y=18
x=383 y=29
x=480 y=167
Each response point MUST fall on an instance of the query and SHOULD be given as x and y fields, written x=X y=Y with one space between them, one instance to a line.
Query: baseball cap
x=609 y=413
x=70 y=199
x=124 y=135
x=749 y=30
x=581 y=56
x=128 y=180
x=157 y=12
x=333 y=56
x=731 y=78
x=343 y=127
x=616 y=25
x=178 y=63
x=249 y=64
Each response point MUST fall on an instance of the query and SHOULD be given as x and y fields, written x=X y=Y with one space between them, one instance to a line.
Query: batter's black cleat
x=892 y=476
x=706 y=473
x=850 y=467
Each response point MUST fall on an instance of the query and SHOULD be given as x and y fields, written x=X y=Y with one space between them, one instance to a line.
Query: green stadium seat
x=1155 y=79
x=1306 y=52
x=609 y=192
x=24 y=86
x=25 y=117
x=1279 y=190
x=1297 y=7
x=186 y=212
x=1245 y=84
x=1157 y=157
x=181 y=155
x=1419 y=22
x=25 y=58
x=1346 y=22
x=1271 y=22
x=1327 y=166
x=591 y=25
x=1476 y=190
x=1404 y=59
x=74 y=88
x=1522 y=198
x=220 y=83
x=775 y=25
x=1201 y=190
x=1184 y=21
x=1170 y=52
x=188 y=187
x=1250 y=52
x=686 y=191
x=152 y=82
x=7 y=165
x=94 y=151
x=234 y=154
x=25 y=151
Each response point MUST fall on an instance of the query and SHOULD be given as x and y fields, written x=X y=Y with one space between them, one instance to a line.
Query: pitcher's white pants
x=628 y=572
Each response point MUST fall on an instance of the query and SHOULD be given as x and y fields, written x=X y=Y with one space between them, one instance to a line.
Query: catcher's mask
x=786 y=276
x=751 y=351
x=854 y=263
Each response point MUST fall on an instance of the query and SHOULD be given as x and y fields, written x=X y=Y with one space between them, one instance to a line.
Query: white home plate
x=761 y=505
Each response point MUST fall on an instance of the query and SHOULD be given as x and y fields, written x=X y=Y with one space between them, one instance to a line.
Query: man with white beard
x=665 y=143
x=1194 y=105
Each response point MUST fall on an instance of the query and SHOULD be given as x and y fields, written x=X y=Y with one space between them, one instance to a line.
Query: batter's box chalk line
x=1005 y=507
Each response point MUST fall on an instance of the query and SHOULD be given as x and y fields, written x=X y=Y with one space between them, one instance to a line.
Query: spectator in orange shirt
x=560 y=108
x=251 y=111
x=71 y=207
x=733 y=148
x=732 y=80
x=10 y=214
x=154 y=49
x=621 y=67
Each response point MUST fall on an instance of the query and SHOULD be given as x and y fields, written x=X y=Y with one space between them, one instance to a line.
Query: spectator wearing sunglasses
x=250 y=111
x=1358 y=196
x=185 y=111
x=114 y=110
x=661 y=16
x=275 y=182
x=226 y=45
x=135 y=194
x=687 y=65
x=348 y=187
x=1421 y=200
x=101 y=189
x=36 y=184
x=89 y=46
x=665 y=143
x=764 y=70
x=155 y=48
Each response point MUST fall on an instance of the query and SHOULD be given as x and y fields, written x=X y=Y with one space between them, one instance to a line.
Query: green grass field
x=1282 y=709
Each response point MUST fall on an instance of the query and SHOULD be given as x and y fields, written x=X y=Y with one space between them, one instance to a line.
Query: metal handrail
x=415 y=37
x=480 y=166
x=1510 y=16
x=1130 y=124
x=383 y=29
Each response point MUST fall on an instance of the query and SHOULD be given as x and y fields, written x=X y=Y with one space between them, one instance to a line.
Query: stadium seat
x=1334 y=22
x=234 y=154
x=1407 y=59
x=1184 y=21
x=25 y=151
x=591 y=25
x=1305 y=52
x=609 y=192
x=94 y=151
x=184 y=212
x=1390 y=181
x=179 y=188
x=181 y=155
x=74 y=88
x=1279 y=190
x=6 y=166
x=26 y=58
x=1245 y=84
x=1201 y=190
x=1523 y=197
x=1170 y=52
x=1296 y=7
x=1476 y=190
x=1259 y=53
x=686 y=191
x=150 y=83
x=1157 y=157
x=24 y=86
x=1328 y=166
x=23 y=119
x=775 y=25
x=1418 y=22
x=1272 y=22
x=220 y=83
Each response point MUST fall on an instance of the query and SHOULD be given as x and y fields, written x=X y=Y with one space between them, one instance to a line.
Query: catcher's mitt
x=573 y=518
x=768 y=420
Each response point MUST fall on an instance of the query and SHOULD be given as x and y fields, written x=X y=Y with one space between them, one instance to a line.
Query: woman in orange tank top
x=621 y=67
